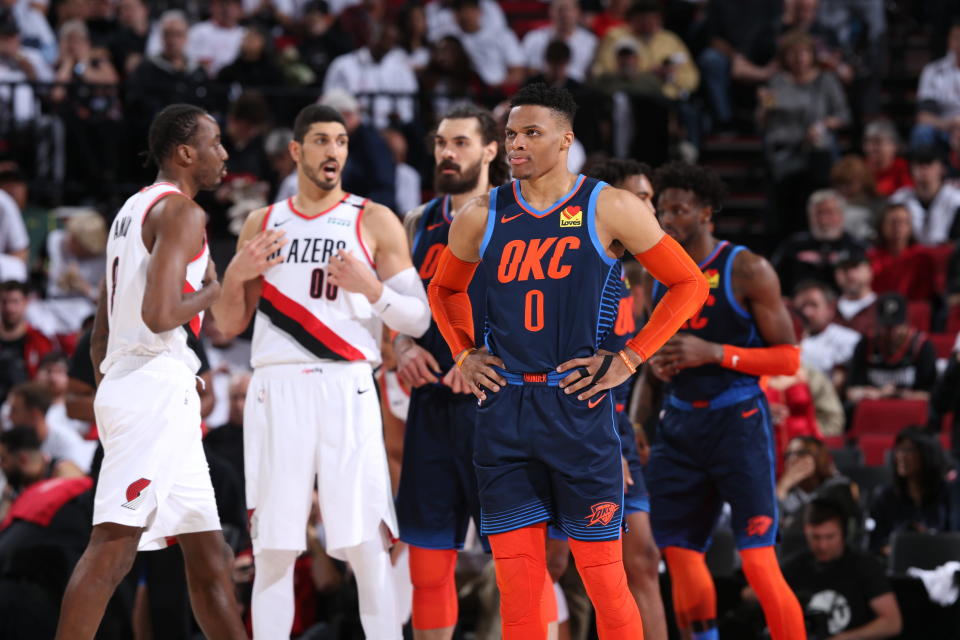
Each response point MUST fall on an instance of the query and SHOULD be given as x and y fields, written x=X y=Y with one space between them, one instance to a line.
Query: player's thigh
x=744 y=473
x=684 y=503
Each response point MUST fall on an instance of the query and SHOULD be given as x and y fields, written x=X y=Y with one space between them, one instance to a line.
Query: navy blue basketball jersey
x=624 y=328
x=553 y=293
x=428 y=243
x=721 y=319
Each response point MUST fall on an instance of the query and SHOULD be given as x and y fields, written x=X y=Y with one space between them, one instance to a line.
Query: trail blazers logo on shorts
x=136 y=493
x=602 y=513
x=758 y=525
x=571 y=217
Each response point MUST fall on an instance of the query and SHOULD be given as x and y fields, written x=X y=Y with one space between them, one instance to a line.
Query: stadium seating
x=887 y=416
x=918 y=314
x=943 y=343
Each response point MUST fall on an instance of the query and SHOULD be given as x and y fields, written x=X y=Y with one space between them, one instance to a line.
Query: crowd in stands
x=861 y=223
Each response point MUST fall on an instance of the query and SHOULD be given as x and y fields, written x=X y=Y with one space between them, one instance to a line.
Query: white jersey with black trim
x=127 y=261
x=302 y=318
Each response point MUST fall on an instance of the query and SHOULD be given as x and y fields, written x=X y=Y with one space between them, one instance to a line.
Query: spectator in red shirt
x=898 y=262
x=614 y=15
x=880 y=145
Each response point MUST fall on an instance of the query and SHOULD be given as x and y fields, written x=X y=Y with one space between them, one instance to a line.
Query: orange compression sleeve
x=778 y=360
x=687 y=290
x=450 y=303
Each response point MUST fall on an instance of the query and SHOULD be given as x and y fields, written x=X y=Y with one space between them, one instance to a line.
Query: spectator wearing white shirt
x=380 y=68
x=52 y=374
x=215 y=43
x=35 y=30
x=77 y=256
x=494 y=52
x=408 y=179
x=20 y=64
x=938 y=95
x=931 y=201
x=14 y=241
x=564 y=25
x=442 y=20
x=826 y=345
x=29 y=403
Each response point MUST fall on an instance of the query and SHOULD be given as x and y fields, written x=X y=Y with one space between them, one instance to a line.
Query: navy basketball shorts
x=542 y=455
x=438 y=485
x=705 y=457
x=636 y=498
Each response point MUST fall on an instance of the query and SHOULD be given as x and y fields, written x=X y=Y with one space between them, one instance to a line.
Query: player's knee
x=607 y=589
x=520 y=590
x=642 y=565
x=432 y=568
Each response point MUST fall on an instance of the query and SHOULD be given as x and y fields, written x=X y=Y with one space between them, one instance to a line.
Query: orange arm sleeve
x=450 y=303
x=778 y=360
x=687 y=290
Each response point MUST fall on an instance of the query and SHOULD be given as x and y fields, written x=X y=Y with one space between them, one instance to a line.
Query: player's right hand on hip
x=416 y=366
x=479 y=373
x=260 y=253
x=586 y=382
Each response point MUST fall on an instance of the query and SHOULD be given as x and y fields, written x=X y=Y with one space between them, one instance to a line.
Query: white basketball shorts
x=306 y=422
x=154 y=472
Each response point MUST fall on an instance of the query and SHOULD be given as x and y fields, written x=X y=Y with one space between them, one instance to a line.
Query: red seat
x=943 y=343
x=834 y=442
x=941 y=257
x=875 y=447
x=953 y=319
x=887 y=416
x=918 y=314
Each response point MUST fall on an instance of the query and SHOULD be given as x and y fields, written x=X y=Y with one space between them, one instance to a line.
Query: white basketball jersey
x=127 y=260
x=301 y=318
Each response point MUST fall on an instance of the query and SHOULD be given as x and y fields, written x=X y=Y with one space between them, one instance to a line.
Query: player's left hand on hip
x=602 y=370
x=346 y=271
x=684 y=351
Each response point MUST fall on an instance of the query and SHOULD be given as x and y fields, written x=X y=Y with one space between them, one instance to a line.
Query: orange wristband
x=626 y=360
x=463 y=356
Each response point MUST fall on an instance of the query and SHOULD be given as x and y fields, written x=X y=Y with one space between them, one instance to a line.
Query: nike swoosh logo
x=434 y=226
x=595 y=401
x=747 y=414
x=280 y=222
x=506 y=219
x=362 y=391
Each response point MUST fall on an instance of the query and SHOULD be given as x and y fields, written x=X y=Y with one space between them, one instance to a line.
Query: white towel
x=940 y=583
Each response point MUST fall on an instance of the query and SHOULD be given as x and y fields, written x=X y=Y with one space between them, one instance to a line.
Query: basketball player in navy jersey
x=154 y=482
x=714 y=442
x=312 y=413
x=438 y=486
x=546 y=445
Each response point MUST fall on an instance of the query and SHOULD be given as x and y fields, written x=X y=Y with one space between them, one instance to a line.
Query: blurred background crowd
x=835 y=125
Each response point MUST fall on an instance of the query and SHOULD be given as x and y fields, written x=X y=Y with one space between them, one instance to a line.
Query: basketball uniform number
x=533 y=310
x=430 y=260
x=317 y=288
x=113 y=279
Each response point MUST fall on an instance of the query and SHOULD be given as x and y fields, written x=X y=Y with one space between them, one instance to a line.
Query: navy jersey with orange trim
x=624 y=328
x=722 y=320
x=433 y=229
x=552 y=291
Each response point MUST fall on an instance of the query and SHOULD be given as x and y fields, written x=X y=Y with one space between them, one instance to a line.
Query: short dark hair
x=705 y=184
x=21 y=439
x=810 y=284
x=490 y=131
x=250 y=107
x=172 y=127
x=822 y=510
x=14 y=285
x=34 y=394
x=641 y=7
x=312 y=114
x=557 y=51
x=925 y=155
x=54 y=357
x=557 y=99
x=614 y=171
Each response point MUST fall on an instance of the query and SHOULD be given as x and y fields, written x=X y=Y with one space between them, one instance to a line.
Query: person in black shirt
x=897 y=362
x=845 y=592
x=226 y=441
x=920 y=498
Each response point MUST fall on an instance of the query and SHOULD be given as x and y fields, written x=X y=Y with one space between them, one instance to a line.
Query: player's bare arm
x=624 y=219
x=100 y=334
x=757 y=287
x=257 y=251
x=395 y=292
x=451 y=304
x=173 y=233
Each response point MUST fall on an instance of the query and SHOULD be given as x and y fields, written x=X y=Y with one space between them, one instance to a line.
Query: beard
x=458 y=183
x=317 y=178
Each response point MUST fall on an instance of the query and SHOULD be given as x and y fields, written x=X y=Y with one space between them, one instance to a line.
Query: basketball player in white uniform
x=312 y=408
x=154 y=483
